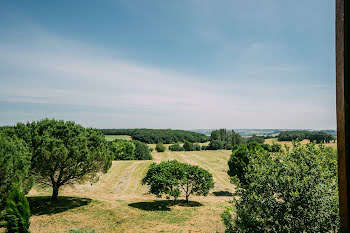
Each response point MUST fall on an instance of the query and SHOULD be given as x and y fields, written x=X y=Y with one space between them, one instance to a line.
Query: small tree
x=142 y=151
x=176 y=147
x=188 y=146
x=160 y=147
x=17 y=212
x=163 y=178
x=122 y=149
x=67 y=153
x=196 y=180
x=171 y=177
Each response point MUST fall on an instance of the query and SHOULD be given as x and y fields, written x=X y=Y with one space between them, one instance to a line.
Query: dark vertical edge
x=342 y=131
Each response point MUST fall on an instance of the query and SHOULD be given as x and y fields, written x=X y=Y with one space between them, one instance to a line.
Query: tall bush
x=17 y=212
x=290 y=191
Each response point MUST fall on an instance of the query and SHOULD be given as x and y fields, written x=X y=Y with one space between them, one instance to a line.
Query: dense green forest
x=318 y=136
x=154 y=136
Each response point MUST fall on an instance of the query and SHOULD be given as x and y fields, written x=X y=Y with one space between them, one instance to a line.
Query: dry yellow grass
x=119 y=203
x=270 y=141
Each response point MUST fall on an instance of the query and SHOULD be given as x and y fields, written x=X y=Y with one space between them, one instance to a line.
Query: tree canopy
x=14 y=164
x=160 y=147
x=171 y=178
x=65 y=152
x=154 y=136
x=289 y=191
x=318 y=136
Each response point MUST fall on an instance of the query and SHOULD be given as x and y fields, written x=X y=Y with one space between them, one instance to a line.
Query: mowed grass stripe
x=204 y=164
x=135 y=181
x=123 y=182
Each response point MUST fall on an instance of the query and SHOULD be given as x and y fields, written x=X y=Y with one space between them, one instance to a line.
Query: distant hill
x=261 y=132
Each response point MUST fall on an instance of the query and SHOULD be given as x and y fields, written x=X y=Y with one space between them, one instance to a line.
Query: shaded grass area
x=44 y=205
x=162 y=205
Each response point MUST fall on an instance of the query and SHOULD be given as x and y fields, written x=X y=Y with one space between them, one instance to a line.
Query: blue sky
x=169 y=64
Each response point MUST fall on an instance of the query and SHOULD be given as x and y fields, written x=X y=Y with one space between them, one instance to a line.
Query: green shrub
x=160 y=147
x=176 y=147
x=14 y=165
x=17 y=212
x=197 y=147
x=239 y=161
x=188 y=146
x=289 y=191
x=142 y=151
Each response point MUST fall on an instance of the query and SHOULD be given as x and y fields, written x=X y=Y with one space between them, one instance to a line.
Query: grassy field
x=119 y=203
x=113 y=137
x=289 y=143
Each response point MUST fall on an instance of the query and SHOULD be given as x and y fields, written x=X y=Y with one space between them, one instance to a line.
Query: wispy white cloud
x=55 y=70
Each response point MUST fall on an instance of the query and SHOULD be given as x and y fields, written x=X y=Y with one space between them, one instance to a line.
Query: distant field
x=119 y=203
x=289 y=143
x=113 y=137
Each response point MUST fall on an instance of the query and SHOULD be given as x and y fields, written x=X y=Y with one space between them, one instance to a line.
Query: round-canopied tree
x=195 y=180
x=160 y=147
x=171 y=177
x=67 y=153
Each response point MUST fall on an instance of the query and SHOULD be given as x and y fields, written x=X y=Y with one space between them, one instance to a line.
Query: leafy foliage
x=318 y=136
x=171 y=177
x=154 y=136
x=65 y=153
x=289 y=191
x=160 y=147
x=17 y=212
x=122 y=149
x=14 y=164
x=239 y=161
x=195 y=180
x=142 y=151
x=176 y=147
x=224 y=139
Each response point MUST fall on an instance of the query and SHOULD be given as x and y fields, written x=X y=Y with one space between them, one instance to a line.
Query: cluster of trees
x=129 y=150
x=154 y=136
x=187 y=146
x=293 y=190
x=318 y=136
x=229 y=139
x=172 y=177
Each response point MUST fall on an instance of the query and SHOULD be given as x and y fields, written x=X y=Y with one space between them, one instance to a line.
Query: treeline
x=318 y=136
x=229 y=139
x=187 y=146
x=130 y=150
x=154 y=136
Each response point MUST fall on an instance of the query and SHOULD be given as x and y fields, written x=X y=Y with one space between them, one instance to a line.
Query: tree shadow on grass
x=223 y=194
x=44 y=205
x=163 y=205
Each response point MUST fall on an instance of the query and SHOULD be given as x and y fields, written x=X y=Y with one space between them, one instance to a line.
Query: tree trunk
x=174 y=200
x=187 y=198
x=54 y=192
